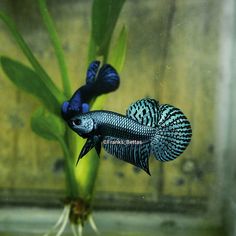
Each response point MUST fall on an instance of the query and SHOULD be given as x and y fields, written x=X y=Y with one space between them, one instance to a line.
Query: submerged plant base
x=75 y=212
x=79 y=210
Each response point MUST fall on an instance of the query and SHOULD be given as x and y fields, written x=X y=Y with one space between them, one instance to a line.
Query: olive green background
x=172 y=56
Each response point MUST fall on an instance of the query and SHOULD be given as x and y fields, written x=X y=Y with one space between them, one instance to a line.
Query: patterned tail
x=173 y=133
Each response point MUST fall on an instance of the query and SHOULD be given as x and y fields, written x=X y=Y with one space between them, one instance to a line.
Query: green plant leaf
x=26 y=79
x=104 y=17
x=118 y=52
x=91 y=51
x=47 y=125
x=51 y=127
x=56 y=44
x=34 y=62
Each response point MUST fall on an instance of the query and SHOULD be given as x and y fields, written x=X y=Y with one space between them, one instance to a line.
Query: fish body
x=111 y=124
x=147 y=128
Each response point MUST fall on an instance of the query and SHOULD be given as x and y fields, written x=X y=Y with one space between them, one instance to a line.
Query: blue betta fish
x=147 y=128
x=98 y=81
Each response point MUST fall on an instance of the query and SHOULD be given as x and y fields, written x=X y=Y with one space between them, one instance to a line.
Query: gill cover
x=82 y=125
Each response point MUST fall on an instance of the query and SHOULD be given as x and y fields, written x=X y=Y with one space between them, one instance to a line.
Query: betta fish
x=147 y=128
x=98 y=81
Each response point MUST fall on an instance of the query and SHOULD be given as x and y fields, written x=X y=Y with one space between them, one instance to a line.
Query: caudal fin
x=173 y=134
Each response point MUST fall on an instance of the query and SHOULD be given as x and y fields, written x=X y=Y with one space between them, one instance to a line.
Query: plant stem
x=57 y=46
x=71 y=182
x=91 y=50
x=86 y=174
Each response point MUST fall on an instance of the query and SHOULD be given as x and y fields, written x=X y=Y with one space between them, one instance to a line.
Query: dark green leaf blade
x=104 y=17
x=47 y=125
x=48 y=21
x=26 y=79
x=118 y=53
x=32 y=59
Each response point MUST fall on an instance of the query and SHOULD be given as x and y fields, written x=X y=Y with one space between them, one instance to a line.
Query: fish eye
x=76 y=122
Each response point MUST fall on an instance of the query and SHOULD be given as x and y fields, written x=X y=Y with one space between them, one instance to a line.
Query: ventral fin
x=145 y=111
x=90 y=143
x=98 y=148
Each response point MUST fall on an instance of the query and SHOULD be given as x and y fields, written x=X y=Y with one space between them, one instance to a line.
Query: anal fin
x=135 y=154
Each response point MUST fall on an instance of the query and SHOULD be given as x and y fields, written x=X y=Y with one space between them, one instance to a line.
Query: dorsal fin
x=145 y=111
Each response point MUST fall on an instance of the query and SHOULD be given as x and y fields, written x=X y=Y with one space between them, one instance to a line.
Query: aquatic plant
x=46 y=120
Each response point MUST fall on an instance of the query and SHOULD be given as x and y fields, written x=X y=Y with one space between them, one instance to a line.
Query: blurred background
x=180 y=52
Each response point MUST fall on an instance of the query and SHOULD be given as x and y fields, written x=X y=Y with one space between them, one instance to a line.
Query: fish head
x=82 y=125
